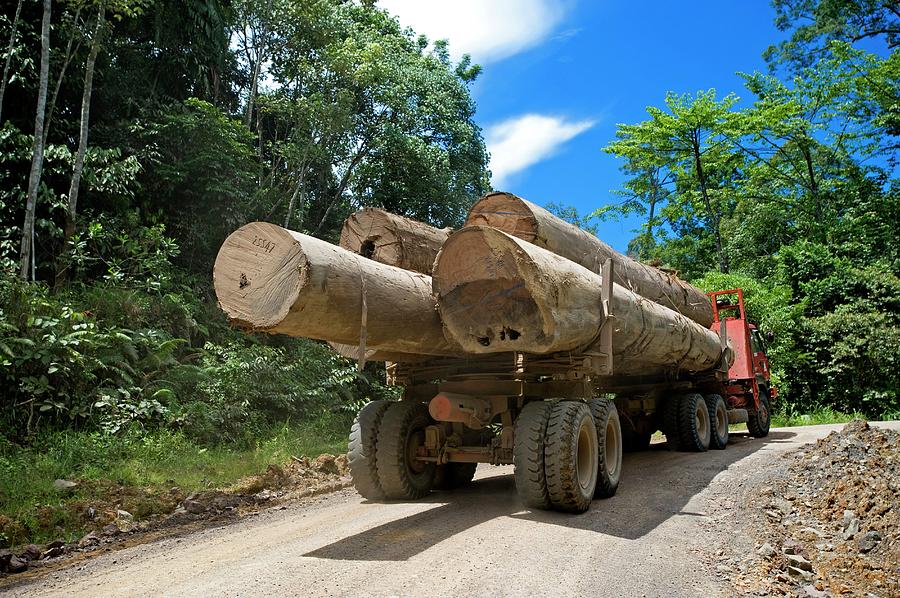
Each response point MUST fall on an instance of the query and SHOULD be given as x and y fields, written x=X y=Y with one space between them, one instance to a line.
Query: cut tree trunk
x=393 y=240
x=274 y=280
x=536 y=225
x=499 y=293
x=352 y=352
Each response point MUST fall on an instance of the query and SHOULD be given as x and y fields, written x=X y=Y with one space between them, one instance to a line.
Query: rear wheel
x=402 y=432
x=528 y=454
x=571 y=456
x=609 y=446
x=758 y=423
x=694 y=427
x=361 y=450
x=718 y=417
x=454 y=475
x=669 y=422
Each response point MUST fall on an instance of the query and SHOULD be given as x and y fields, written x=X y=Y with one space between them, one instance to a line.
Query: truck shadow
x=656 y=485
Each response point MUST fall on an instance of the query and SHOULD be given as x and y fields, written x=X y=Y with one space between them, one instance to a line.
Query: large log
x=392 y=239
x=499 y=293
x=352 y=352
x=536 y=225
x=274 y=280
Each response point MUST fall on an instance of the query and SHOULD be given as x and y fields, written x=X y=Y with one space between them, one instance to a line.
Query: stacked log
x=392 y=239
x=532 y=223
x=274 y=280
x=498 y=293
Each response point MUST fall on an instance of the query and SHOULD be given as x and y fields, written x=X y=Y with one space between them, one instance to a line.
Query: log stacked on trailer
x=535 y=291
x=274 y=280
x=498 y=293
x=536 y=225
x=392 y=239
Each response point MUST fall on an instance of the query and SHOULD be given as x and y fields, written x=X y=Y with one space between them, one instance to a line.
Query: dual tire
x=686 y=423
x=381 y=453
x=692 y=422
x=566 y=453
x=718 y=417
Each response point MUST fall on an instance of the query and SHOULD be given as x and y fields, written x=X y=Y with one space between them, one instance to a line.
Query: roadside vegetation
x=162 y=126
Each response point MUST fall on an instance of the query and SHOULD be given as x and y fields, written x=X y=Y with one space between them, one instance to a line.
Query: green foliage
x=680 y=157
x=814 y=23
x=198 y=169
x=248 y=387
x=796 y=196
x=61 y=367
x=135 y=471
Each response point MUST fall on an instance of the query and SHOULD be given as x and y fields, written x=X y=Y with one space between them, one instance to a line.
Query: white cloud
x=520 y=142
x=489 y=30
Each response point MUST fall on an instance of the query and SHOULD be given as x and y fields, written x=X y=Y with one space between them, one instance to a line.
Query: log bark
x=536 y=225
x=352 y=352
x=393 y=240
x=274 y=280
x=499 y=293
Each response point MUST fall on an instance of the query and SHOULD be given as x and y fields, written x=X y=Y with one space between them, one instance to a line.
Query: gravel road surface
x=656 y=537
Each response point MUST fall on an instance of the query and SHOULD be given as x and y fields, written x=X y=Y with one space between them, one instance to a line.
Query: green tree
x=686 y=150
x=812 y=24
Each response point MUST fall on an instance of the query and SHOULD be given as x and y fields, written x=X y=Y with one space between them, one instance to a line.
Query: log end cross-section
x=258 y=275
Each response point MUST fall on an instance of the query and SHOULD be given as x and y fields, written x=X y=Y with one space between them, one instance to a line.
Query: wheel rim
x=586 y=454
x=721 y=420
x=701 y=421
x=611 y=450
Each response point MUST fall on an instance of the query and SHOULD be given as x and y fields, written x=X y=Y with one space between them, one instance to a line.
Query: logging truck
x=564 y=420
x=518 y=339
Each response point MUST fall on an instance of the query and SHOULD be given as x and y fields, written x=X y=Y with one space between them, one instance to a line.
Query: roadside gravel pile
x=832 y=524
x=127 y=515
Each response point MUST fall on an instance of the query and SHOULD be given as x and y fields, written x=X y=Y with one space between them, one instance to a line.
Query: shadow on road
x=656 y=484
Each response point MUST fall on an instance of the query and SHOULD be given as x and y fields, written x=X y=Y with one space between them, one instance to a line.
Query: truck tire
x=694 y=429
x=402 y=430
x=454 y=475
x=609 y=446
x=361 y=450
x=571 y=456
x=669 y=422
x=759 y=420
x=528 y=455
x=718 y=417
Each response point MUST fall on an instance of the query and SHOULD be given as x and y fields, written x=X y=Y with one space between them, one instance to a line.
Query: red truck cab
x=749 y=384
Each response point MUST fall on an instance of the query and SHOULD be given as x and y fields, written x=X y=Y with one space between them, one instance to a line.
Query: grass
x=790 y=418
x=134 y=470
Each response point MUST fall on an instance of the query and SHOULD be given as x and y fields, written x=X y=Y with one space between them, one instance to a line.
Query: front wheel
x=758 y=424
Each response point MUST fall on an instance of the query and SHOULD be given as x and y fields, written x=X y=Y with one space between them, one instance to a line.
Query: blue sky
x=559 y=75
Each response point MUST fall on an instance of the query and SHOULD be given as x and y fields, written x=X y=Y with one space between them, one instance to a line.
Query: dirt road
x=656 y=537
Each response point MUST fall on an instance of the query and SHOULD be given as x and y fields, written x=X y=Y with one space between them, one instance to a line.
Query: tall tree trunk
x=83 y=134
x=67 y=59
x=9 y=50
x=37 y=160
x=710 y=212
